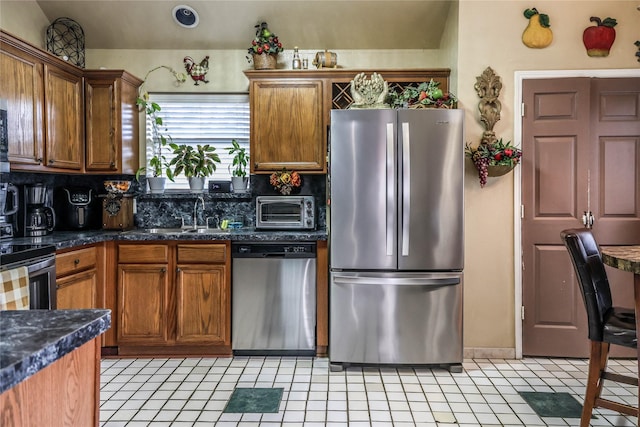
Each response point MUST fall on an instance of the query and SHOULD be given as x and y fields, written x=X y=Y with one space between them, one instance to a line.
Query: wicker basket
x=264 y=61
x=499 y=170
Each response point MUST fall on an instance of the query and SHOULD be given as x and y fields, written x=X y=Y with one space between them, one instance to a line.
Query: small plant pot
x=239 y=183
x=156 y=184
x=264 y=61
x=196 y=184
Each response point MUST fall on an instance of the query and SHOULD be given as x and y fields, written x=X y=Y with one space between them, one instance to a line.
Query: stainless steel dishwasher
x=273 y=298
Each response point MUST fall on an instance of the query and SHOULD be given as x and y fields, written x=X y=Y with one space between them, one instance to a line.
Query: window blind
x=193 y=119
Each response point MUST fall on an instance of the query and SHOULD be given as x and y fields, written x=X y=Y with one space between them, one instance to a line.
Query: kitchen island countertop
x=31 y=340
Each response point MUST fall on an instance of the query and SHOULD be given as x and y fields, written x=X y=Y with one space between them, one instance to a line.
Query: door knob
x=587 y=219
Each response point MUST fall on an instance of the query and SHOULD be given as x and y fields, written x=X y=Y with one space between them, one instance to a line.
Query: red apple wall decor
x=598 y=39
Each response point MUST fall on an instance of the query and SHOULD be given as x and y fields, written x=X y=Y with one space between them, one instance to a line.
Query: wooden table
x=627 y=258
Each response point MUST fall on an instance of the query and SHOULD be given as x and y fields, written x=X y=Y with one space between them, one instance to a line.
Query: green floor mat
x=254 y=400
x=556 y=405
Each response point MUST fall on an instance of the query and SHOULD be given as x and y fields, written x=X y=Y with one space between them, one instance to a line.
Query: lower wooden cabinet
x=174 y=298
x=77 y=279
x=142 y=303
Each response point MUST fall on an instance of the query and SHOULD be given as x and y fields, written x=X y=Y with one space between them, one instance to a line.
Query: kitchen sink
x=175 y=230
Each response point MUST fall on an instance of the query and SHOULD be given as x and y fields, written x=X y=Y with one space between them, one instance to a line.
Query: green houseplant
x=158 y=163
x=238 y=166
x=196 y=163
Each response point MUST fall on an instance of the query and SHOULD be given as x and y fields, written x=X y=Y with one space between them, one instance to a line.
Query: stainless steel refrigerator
x=396 y=237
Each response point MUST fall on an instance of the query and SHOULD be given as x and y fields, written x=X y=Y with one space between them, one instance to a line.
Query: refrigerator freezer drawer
x=396 y=318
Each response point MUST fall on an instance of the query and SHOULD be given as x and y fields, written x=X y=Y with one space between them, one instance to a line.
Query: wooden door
x=202 y=305
x=24 y=93
x=287 y=129
x=64 y=119
x=573 y=159
x=77 y=291
x=143 y=292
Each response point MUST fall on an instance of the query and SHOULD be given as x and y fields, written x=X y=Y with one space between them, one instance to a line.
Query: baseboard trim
x=489 y=353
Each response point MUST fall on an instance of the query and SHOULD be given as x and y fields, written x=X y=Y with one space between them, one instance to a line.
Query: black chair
x=607 y=324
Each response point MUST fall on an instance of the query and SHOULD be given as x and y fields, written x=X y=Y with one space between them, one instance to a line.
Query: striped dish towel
x=14 y=289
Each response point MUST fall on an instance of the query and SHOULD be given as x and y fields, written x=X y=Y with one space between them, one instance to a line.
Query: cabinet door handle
x=76 y=261
x=39 y=160
x=112 y=165
x=163 y=270
x=178 y=269
x=51 y=161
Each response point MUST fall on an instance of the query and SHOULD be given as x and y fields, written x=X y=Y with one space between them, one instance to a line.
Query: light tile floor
x=194 y=392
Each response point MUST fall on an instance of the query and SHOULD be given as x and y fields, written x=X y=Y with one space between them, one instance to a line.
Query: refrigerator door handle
x=348 y=280
x=391 y=192
x=406 y=188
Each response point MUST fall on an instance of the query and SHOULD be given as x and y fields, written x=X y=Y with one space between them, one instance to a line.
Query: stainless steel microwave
x=286 y=212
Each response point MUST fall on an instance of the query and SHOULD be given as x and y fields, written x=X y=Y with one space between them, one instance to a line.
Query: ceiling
x=229 y=24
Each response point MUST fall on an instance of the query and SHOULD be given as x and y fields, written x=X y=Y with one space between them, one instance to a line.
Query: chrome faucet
x=195 y=211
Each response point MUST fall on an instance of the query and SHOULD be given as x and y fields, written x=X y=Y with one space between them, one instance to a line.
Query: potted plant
x=425 y=95
x=493 y=159
x=239 y=166
x=196 y=163
x=264 y=48
x=158 y=164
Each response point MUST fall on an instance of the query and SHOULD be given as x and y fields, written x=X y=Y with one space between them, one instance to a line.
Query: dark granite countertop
x=625 y=258
x=31 y=340
x=70 y=239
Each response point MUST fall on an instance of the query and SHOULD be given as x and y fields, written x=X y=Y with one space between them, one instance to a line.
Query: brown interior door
x=581 y=144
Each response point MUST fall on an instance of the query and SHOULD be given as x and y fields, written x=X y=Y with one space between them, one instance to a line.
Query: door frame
x=519 y=77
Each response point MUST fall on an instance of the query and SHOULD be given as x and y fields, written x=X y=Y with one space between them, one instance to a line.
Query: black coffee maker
x=76 y=208
x=39 y=217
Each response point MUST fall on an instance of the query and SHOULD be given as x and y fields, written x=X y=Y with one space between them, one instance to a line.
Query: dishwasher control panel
x=268 y=249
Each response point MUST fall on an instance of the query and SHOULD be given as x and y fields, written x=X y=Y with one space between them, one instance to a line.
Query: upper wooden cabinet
x=291 y=112
x=45 y=106
x=287 y=124
x=64 y=128
x=50 y=103
x=111 y=120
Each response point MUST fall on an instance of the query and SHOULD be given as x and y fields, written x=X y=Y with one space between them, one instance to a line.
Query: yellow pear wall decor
x=537 y=35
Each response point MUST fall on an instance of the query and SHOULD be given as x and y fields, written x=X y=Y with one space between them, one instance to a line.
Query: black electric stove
x=11 y=253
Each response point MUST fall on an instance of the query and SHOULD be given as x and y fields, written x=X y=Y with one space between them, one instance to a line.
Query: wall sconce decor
x=492 y=157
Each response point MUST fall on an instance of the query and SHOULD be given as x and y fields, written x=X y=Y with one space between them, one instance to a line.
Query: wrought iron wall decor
x=65 y=39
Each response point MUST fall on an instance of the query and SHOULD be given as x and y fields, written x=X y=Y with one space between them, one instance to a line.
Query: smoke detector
x=185 y=16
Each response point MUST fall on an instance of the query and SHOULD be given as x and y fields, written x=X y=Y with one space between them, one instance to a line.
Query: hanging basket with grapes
x=494 y=159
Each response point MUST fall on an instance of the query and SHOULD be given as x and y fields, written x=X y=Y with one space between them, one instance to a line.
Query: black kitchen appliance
x=76 y=208
x=39 y=216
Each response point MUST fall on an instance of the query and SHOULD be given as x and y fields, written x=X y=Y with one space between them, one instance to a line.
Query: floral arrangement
x=284 y=181
x=265 y=41
x=426 y=95
x=497 y=153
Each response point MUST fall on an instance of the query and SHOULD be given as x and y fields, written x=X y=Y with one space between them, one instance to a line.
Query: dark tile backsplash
x=165 y=210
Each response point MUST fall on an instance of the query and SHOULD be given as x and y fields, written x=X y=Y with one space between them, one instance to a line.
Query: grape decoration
x=497 y=153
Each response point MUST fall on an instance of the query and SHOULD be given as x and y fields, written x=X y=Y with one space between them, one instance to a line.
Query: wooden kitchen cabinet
x=111 y=119
x=24 y=94
x=291 y=112
x=64 y=130
x=142 y=310
x=174 y=298
x=45 y=108
x=77 y=279
x=287 y=123
x=202 y=294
